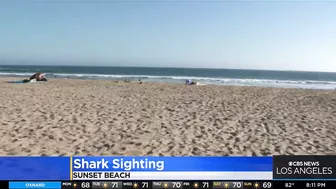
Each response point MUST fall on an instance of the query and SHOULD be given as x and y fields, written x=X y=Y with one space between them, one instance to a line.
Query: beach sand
x=97 y=117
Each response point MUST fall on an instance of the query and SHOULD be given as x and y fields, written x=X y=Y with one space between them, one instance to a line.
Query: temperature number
x=267 y=185
x=115 y=185
x=205 y=184
x=176 y=185
x=289 y=185
x=85 y=185
x=145 y=185
x=237 y=184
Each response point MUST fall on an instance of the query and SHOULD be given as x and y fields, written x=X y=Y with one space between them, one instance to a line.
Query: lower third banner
x=171 y=168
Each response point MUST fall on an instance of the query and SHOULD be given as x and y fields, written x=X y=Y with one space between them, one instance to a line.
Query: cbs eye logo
x=295 y=163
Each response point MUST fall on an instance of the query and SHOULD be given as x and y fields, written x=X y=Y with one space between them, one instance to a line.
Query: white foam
x=308 y=84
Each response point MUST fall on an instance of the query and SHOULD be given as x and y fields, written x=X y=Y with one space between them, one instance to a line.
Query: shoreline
x=104 y=117
x=284 y=84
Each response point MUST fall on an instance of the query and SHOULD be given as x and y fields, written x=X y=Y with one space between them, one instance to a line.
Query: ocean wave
x=205 y=80
x=183 y=78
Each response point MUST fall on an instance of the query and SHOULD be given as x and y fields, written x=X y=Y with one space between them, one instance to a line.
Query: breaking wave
x=206 y=80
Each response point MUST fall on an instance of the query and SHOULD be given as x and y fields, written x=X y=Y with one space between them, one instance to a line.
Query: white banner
x=95 y=175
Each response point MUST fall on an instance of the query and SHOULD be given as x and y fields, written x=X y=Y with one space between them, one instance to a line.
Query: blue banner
x=59 y=168
x=34 y=168
x=172 y=164
x=45 y=185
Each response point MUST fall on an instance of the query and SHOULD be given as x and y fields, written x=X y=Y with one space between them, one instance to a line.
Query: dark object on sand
x=189 y=82
x=37 y=76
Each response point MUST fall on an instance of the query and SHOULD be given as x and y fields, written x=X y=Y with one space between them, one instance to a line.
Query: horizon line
x=129 y=66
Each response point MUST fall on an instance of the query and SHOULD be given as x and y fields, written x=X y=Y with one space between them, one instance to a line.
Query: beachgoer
x=37 y=76
x=188 y=82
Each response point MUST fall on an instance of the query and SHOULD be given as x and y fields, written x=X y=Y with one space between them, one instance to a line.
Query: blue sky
x=291 y=35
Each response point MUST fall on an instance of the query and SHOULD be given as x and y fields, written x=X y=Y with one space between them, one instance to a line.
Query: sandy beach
x=97 y=117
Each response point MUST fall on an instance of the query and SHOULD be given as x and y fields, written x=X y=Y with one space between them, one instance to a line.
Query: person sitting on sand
x=189 y=82
x=37 y=76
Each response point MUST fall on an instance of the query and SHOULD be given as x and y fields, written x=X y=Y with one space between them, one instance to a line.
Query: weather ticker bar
x=266 y=184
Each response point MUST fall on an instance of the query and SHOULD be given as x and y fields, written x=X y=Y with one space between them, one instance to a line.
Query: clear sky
x=290 y=35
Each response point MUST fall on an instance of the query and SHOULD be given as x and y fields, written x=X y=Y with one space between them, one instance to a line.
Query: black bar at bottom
x=304 y=184
x=4 y=184
x=266 y=184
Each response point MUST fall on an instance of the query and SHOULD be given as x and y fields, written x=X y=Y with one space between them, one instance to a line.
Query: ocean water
x=287 y=79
